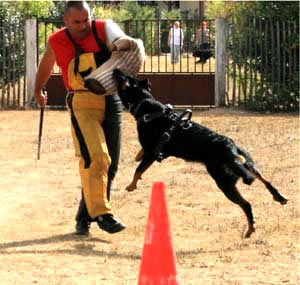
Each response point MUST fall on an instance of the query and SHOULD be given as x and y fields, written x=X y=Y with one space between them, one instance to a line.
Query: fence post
x=31 y=58
x=220 y=55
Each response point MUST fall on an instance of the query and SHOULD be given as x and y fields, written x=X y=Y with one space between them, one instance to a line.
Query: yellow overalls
x=87 y=112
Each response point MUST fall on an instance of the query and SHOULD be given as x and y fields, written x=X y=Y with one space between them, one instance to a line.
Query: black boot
x=83 y=219
x=110 y=224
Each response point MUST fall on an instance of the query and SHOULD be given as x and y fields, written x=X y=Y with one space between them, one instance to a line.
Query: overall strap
x=105 y=53
x=78 y=51
x=104 y=50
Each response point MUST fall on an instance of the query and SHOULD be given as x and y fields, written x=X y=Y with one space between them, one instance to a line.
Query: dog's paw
x=95 y=86
x=250 y=231
x=131 y=187
x=281 y=199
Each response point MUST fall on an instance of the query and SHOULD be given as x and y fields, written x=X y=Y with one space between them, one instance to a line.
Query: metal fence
x=263 y=64
x=12 y=66
x=154 y=34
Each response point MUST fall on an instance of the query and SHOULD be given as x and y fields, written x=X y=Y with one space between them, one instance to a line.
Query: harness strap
x=149 y=117
x=166 y=136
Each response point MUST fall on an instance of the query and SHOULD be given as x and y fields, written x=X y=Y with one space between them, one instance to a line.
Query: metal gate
x=12 y=65
x=186 y=83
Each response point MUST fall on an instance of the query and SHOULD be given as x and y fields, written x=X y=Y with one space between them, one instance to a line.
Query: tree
x=12 y=46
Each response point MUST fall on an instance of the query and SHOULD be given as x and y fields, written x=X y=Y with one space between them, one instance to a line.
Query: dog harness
x=178 y=121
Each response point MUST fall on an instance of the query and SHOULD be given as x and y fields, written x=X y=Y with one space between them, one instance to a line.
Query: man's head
x=204 y=25
x=77 y=18
x=176 y=24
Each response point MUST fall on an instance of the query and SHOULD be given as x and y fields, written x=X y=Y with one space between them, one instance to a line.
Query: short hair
x=80 y=5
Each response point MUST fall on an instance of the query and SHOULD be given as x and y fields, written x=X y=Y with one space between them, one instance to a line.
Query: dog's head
x=131 y=90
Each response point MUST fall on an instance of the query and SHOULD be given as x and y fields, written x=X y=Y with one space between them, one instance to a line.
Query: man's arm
x=43 y=74
x=117 y=40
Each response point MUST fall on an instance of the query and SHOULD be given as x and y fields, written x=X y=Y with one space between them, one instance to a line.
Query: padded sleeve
x=113 y=31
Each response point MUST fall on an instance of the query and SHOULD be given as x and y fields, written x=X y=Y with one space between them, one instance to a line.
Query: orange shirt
x=64 y=49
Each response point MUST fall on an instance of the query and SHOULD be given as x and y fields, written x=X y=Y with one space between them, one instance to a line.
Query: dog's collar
x=149 y=117
x=134 y=111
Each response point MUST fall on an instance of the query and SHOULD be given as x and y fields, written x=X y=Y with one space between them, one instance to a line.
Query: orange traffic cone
x=158 y=258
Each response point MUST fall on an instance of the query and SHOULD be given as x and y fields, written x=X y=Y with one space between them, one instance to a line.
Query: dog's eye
x=124 y=85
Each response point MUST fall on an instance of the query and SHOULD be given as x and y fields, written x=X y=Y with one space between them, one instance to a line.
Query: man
x=175 y=42
x=202 y=41
x=88 y=111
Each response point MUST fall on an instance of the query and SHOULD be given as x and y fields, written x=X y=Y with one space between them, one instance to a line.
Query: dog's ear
x=146 y=84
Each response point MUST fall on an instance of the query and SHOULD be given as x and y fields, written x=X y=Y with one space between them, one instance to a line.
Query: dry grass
x=39 y=202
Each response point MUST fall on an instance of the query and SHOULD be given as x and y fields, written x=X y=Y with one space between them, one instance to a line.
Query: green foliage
x=171 y=15
x=129 y=11
x=109 y=12
x=277 y=10
x=255 y=50
x=138 y=12
x=12 y=10
x=12 y=46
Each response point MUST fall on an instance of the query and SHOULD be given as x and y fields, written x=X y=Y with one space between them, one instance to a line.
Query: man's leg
x=112 y=130
x=172 y=53
x=83 y=219
x=177 y=53
x=93 y=167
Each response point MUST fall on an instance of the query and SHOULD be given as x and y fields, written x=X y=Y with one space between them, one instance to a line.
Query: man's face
x=78 y=22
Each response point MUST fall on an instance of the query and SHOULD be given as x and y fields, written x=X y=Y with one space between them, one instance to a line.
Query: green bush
x=12 y=46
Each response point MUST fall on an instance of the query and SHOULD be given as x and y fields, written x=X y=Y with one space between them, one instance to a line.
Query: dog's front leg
x=146 y=162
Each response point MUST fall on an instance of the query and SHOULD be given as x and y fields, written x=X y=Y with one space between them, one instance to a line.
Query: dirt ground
x=39 y=202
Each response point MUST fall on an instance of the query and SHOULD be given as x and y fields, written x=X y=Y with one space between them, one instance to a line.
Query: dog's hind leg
x=241 y=171
x=139 y=155
x=227 y=183
x=277 y=196
x=236 y=162
x=250 y=165
x=232 y=193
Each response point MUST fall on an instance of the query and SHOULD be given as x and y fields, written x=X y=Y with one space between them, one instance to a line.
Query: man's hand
x=41 y=98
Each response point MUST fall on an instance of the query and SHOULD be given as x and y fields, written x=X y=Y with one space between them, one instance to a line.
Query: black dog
x=163 y=133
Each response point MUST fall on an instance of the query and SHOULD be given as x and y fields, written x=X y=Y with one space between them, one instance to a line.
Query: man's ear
x=65 y=19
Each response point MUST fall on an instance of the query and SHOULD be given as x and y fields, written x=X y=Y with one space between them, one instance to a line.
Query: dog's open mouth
x=121 y=79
